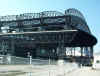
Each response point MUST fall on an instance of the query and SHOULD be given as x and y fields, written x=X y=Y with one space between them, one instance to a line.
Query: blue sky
x=89 y=8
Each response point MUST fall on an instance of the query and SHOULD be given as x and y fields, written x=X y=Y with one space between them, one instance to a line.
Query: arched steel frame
x=47 y=27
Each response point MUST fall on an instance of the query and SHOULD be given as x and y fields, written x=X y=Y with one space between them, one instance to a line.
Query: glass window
x=42 y=51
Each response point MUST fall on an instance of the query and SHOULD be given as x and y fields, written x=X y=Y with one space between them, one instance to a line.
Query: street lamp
x=30 y=62
x=30 y=58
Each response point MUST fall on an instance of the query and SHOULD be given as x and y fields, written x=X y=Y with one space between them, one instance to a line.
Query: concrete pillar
x=81 y=51
x=86 y=51
x=91 y=53
x=71 y=51
x=74 y=51
x=81 y=58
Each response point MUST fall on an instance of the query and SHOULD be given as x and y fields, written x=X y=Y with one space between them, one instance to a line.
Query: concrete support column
x=71 y=51
x=81 y=51
x=74 y=51
x=86 y=51
x=91 y=53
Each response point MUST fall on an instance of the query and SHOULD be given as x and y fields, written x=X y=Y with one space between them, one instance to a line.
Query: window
x=42 y=51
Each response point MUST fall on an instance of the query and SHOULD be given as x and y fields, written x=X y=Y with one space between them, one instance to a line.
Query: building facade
x=46 y=34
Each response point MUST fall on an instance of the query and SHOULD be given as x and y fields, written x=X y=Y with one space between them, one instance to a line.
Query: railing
x=40 y=67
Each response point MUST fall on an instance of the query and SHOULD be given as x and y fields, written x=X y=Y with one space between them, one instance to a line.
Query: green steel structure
x=47 y=34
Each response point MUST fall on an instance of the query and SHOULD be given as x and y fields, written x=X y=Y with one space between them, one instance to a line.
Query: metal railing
x=40 y=67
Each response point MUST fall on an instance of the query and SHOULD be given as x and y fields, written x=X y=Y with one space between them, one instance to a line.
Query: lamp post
x=30 y=62
x=30 y=59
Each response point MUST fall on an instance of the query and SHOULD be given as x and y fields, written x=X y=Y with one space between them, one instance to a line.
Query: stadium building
x=46 y=34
